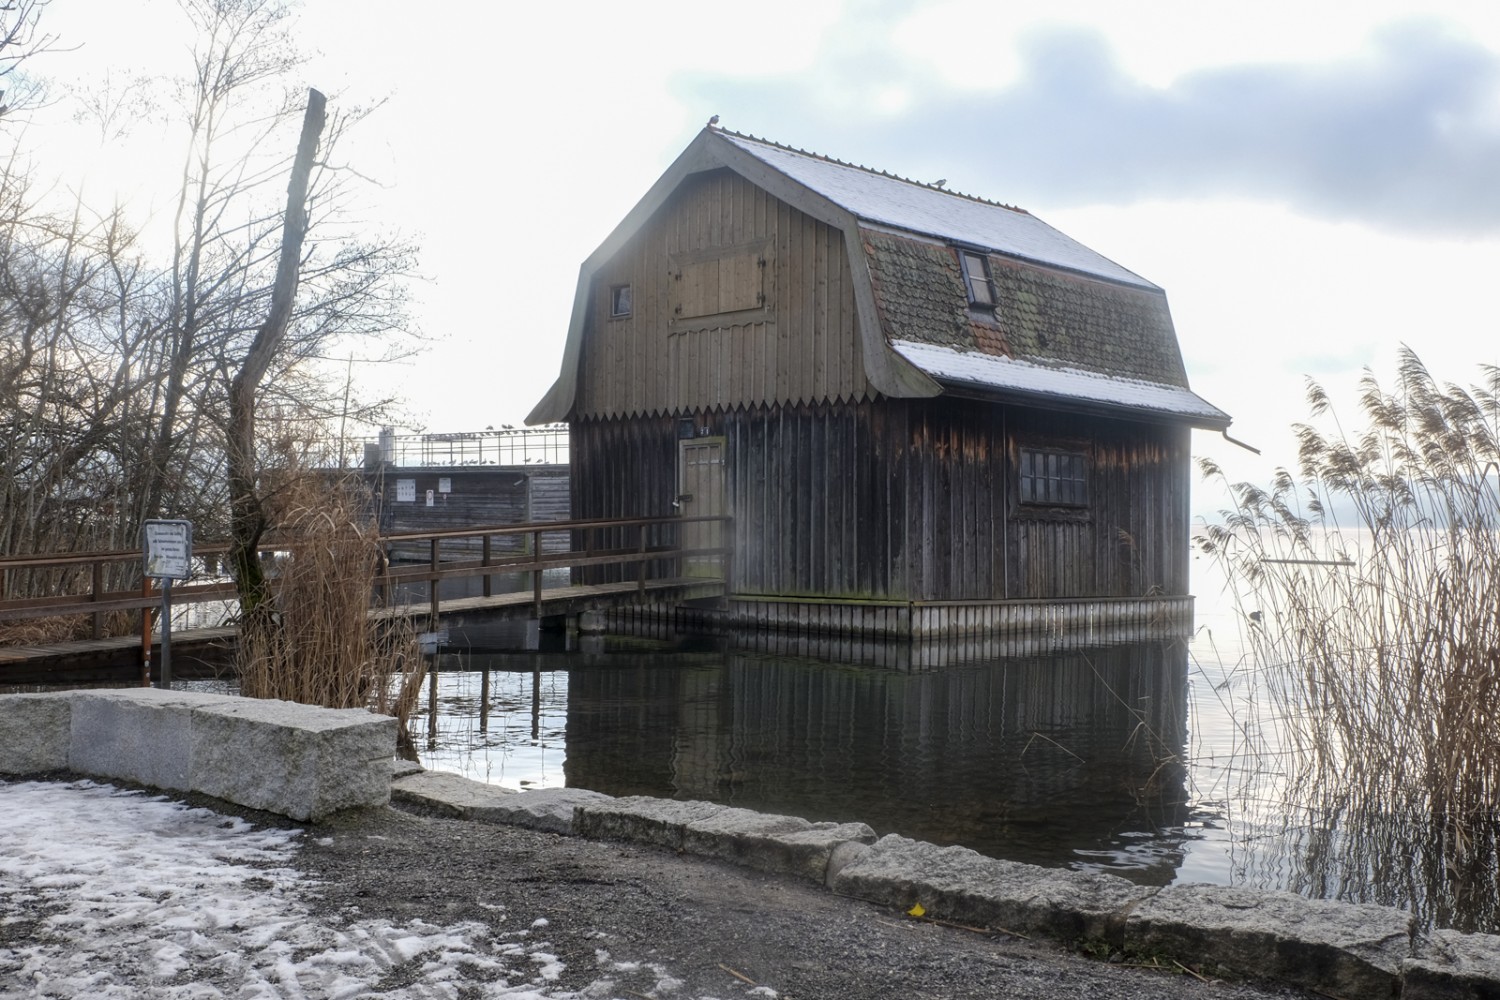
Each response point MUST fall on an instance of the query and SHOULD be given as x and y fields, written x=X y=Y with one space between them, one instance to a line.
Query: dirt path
x=666 y=926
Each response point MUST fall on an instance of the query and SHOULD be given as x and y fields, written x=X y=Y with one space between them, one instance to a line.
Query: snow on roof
x=1007 y=374
x=919 y=208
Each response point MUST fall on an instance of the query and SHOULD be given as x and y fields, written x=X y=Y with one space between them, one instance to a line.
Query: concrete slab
x=1449 y=965
x=957 y=884
x=1344 y=949
x=35 y=732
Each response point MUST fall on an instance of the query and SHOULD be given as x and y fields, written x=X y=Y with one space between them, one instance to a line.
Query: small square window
x=1054 y=478
x=619 y=301
x=977 y=281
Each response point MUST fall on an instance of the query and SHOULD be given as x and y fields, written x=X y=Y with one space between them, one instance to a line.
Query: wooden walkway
x=649 y=545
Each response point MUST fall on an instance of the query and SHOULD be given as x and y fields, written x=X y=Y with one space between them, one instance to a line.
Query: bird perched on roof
x=940 y=182
x=713 y=121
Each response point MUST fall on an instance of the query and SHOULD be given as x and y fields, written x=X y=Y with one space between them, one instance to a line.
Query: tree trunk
x=247 y=513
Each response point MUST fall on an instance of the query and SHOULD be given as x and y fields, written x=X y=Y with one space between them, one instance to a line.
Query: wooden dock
x=651 y=562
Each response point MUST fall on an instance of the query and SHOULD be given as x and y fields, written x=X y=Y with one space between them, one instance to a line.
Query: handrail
x=533 y=560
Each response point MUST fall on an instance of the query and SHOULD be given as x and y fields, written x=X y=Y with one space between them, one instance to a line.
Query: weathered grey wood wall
x=913 y=499
x=738 y=300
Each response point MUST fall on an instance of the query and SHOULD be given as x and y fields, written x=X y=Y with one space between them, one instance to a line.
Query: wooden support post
x=432 y=584
x=640 y=566
x=536 y=575
x=725 y=531
x=484 y=558
x=96 y=590
x=146 y=634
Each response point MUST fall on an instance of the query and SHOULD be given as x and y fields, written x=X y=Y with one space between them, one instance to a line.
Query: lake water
x=1122 y=758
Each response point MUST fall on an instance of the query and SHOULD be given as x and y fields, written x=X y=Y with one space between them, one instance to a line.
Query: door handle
x=681 y=499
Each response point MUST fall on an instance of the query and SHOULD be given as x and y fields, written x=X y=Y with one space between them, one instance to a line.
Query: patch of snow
x=111 y=894
x=917 y=208
x=992 y=372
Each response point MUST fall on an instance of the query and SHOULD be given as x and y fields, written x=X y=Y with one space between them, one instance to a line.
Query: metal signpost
x=169 y=556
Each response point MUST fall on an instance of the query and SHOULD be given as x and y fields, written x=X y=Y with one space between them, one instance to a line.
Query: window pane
x=1053 y=477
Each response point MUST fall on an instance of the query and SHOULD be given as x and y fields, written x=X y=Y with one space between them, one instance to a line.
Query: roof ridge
x=869 y=170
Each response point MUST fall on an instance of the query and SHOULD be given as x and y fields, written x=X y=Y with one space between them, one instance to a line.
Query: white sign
x=406 y=491
x=169 y=549
x=445 y=484
x=429 y=498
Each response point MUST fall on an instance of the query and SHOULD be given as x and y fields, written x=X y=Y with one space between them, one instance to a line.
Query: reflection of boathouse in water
x=927 y=414
x=1053 y=757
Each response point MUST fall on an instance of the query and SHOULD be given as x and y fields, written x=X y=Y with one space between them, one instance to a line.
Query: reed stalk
x=320 y=645
x=1369 y=589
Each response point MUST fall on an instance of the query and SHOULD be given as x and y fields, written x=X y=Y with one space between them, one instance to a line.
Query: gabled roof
x=1073 y=326
x=932 y=211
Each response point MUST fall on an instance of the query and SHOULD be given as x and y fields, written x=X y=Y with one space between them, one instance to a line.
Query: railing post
x=146 y=634
x=536 y=574
x=432 y=583
x=97 y=588
x=726 y=528
x=485 y=560
x=640 y=565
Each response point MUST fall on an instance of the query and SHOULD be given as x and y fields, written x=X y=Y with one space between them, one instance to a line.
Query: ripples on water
x=1075 y=758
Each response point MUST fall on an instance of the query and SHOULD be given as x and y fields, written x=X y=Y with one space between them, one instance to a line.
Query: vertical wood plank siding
x=798 y=346
x=913 y=500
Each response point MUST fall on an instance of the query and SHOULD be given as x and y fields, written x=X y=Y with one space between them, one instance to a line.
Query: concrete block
x=1449 y=965
x=957 y=884
x=783 y=844
x=442 y=793
x=296 y=760
x=144 y=735
x=34 y=732
x=551 y=809
x=842 y=857
x=1344 y=949
x=642 y=820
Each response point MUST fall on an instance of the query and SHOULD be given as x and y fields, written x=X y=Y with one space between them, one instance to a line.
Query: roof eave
x=962 y=388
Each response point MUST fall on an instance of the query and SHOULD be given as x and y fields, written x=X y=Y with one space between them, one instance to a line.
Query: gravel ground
x=667 y=926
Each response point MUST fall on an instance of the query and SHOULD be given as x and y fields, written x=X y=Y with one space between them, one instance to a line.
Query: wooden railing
x=649 y=544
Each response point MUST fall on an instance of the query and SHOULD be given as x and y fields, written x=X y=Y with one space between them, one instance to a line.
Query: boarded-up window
x=730 y=283
x=1059 y=478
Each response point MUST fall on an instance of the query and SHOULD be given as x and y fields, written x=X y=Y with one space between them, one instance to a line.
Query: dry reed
x=1368 y=587
x=321 y=646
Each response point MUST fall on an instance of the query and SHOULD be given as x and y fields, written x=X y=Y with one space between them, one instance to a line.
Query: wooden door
x=701 y=493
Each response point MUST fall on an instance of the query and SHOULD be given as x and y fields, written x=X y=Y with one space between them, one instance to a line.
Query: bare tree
x=118 y=363
x=247 y=512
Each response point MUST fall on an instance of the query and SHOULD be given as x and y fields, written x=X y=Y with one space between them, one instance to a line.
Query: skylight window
x=977 y=280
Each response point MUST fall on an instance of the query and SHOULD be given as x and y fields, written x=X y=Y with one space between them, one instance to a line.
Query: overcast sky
x=1312 y=183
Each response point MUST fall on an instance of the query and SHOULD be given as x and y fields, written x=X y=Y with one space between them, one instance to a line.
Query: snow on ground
x=112 y=894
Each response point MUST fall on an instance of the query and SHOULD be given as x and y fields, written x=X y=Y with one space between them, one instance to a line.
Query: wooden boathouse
x=928 y=414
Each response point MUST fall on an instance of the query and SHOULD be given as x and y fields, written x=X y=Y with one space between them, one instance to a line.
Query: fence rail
x=652 y=545
x=545 y=445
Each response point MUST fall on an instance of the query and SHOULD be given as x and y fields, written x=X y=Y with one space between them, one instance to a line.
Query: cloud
x=1404 y=135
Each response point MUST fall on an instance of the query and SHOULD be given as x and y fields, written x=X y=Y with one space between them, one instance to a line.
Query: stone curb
x=1342 y=950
